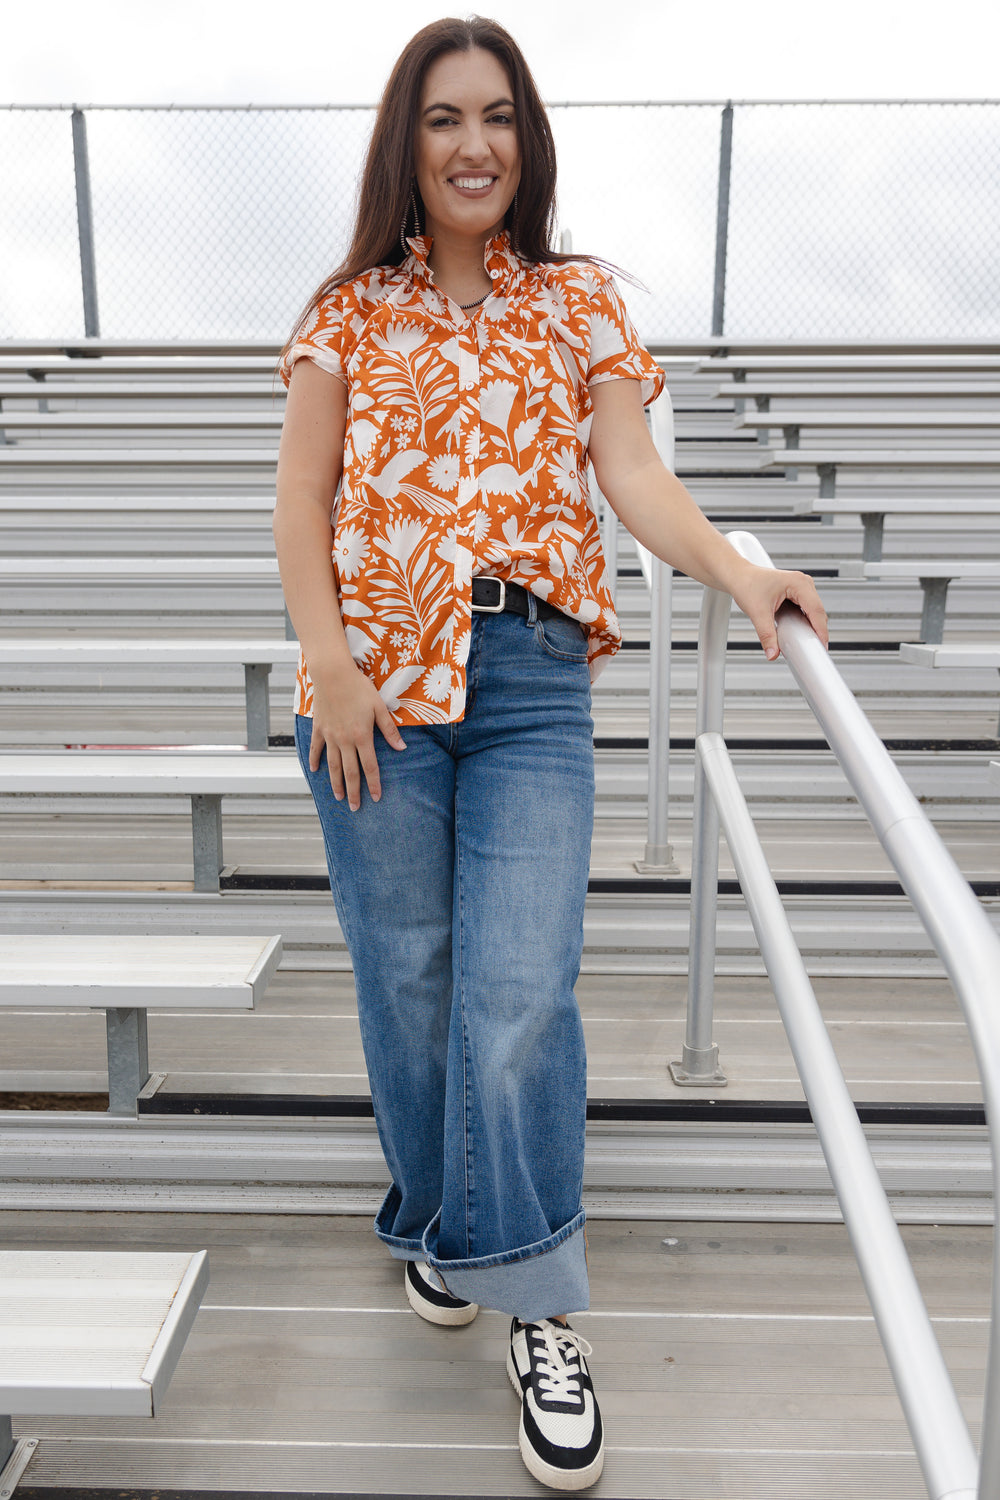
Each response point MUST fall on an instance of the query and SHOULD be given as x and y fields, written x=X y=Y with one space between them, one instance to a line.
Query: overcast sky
x=340 y=51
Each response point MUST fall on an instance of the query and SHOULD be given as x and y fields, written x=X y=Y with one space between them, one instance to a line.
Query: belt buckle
x=493 y=609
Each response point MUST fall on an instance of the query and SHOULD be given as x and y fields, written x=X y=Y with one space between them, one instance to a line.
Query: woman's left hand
x=764 y=591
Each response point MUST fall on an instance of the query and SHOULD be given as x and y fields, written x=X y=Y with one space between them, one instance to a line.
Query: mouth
x=473 y=185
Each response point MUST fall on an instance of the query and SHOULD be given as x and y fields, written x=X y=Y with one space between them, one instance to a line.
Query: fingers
x=352 y=759
x=774 y=588
x=802 y=592
x=388 y=726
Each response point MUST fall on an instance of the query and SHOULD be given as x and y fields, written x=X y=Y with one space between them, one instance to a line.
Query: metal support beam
x=699 y=1063
x=871 y=542
x=256 y=675
x=20 y=1456
x=932 y=614
x=659 y=856
x=827 y=480
x=128 y=1059
x=722 y=222
x=206 y=832
x=6 y=1440
x=791 y=435
x=85 y=224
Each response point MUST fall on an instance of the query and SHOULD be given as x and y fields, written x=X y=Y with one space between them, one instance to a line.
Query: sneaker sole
x=556 y=1479
x=444 y=1317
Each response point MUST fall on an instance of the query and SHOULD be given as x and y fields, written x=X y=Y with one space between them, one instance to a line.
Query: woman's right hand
x=347 y=709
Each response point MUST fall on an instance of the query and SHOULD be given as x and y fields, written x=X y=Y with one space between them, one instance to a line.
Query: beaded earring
x=416 y=222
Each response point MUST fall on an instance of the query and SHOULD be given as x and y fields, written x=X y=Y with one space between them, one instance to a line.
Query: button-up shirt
x=465 y=453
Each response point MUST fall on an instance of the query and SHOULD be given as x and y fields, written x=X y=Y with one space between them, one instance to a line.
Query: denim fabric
x=461 y=896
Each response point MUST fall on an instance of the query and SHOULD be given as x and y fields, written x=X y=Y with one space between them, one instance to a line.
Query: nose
x=474 y=146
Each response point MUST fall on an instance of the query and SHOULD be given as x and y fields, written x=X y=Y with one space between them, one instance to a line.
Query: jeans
x=461 y=897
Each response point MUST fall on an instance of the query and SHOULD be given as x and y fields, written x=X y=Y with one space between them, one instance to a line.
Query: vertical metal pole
x=932 y=615
x=722 y=222
x=206 y=834
x=699 y=1064
x=659 y=856
x=871 y=545
x=85 y=223
x=255 y=675
x=128 y=1059
x=6 y=1440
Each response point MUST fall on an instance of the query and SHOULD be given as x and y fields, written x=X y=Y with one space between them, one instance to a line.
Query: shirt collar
x=498 y=258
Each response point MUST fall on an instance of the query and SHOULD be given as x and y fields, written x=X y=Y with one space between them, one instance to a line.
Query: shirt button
x=494 y=274
x=470 y=385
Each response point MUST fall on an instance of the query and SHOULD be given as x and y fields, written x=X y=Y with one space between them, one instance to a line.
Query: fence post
x=85 y=224
x=722 y=222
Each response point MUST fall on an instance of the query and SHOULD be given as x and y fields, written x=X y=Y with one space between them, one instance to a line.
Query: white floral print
x=465 y=452
x=350 y=550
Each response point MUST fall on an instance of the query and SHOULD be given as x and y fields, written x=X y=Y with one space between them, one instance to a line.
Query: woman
x=447 y=386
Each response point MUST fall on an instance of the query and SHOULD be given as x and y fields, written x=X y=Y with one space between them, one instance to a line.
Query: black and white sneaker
x=561 y=1436
x=428 y=1298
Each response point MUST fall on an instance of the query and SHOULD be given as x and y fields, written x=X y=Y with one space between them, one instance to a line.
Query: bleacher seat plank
x=761 y=391
x=255 y=656
x=126 y=975
x=49 y=421
x=955 y=654
x=874 y=509
x=39 y=367
x=145 y=972
x=891 y=417
x=140 y=390
x=934 y=575
x=94 y=1333
x=828 y=461
x=205 y=779
x=857 y=361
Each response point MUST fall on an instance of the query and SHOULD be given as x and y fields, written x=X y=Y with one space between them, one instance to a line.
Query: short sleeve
x=616 y=352
x=320 y=337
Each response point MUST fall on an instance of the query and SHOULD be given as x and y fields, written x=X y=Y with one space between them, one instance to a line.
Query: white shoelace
x=559 y=1375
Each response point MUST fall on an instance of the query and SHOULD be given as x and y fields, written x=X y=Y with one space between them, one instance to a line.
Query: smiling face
x=467 y=158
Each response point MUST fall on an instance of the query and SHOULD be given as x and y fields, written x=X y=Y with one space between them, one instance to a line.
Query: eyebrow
x=453 y=109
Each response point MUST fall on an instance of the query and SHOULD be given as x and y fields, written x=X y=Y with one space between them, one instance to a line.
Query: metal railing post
x=658 y=858
x=722 y=222
x=85 y=224
x=699 y=1063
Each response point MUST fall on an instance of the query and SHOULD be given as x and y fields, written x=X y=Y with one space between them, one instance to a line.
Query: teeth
x=472 y=182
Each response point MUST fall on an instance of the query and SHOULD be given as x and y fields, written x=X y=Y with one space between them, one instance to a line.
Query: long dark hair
x=389 y=170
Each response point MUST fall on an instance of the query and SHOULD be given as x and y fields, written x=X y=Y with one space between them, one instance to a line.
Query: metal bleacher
x=735 y=1352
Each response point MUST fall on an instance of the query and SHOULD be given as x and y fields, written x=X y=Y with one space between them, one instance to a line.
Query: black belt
x=495 y=596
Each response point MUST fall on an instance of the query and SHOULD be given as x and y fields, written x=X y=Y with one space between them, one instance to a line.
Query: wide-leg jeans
x=461 y=896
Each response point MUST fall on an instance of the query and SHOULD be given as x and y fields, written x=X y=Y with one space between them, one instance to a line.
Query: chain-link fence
x=860 y=220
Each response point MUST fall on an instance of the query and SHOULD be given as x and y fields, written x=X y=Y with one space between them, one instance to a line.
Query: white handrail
x=970 y=950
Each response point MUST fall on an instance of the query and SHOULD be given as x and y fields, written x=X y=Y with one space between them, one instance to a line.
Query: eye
x=441 y=120
x=501 y=119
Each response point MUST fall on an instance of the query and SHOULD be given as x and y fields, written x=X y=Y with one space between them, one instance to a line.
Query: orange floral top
x=465 y=453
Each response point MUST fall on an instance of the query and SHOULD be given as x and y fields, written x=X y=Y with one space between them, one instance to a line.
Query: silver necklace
x=465 y=306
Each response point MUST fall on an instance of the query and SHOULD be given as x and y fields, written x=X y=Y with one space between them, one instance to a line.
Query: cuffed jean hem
x=543 y=1280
